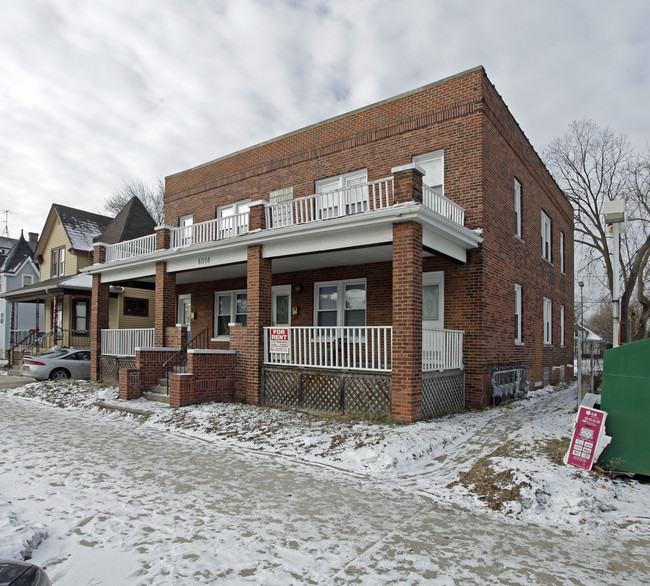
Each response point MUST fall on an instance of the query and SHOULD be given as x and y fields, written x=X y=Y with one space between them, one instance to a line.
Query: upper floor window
x=433 y=165
x=237 y=224
x=27 y=280
x=340 y=303
x=229 y=307
x=546 y=237
x=518 y=320
x=562 y=325
x=344 y=194
x=57 y=267
x=562 y=265
x=548 y=312
x=517 y=208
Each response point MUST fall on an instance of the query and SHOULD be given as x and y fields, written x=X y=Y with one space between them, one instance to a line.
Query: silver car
x=58 y=364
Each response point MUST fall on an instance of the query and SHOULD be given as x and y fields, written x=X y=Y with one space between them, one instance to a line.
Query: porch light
x=298 y=288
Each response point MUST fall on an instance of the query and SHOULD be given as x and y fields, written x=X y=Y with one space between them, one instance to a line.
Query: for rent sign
x=588 y=438
x=279 y=341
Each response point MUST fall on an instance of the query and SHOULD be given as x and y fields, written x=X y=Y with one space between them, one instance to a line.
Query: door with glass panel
x=433 y=294
x=281 y=306
x=185 y=313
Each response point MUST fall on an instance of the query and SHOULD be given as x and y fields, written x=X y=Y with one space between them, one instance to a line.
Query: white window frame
x=518 y=314
x=230 y=210
x=562 y=326
x=435 y=278
x=27 y=278
x=279 y=291
x=425 y=158
x=233 y=308
x=547 y=227
x=517 y=205
x=340 y=300
x=562 y=267
x=548 y=321
x=180 y=314
x=335 y=194
x=57 y=266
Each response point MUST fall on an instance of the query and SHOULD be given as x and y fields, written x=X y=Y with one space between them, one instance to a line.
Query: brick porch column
x=98 y=322
x=257 y=216
x=407 y=322
x=259 y=315
x=408 y=183
x=165 y=299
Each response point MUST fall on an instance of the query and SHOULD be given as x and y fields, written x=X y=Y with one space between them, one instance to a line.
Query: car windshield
x=54 y=354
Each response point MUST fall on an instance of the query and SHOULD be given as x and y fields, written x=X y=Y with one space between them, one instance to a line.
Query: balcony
x=362 y=198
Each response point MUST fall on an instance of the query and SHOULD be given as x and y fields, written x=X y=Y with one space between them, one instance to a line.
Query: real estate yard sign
x=588 y=438
x=279 y=341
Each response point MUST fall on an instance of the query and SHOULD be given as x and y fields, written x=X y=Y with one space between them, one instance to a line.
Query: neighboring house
x=387 y=259
x=17 y=270
x=592 y=343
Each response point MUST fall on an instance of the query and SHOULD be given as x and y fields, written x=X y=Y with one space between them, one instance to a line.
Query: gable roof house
x=390 y=259
x=17 y=270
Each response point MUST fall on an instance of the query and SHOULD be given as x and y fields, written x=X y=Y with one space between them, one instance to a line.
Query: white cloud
x=96 y=91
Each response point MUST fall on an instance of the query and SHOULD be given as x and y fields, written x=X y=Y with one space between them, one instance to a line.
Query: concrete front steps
x=159 y=392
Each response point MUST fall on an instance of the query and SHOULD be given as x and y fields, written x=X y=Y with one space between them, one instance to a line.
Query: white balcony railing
x=131 y=248
x=210 y=231
x=373 y=195
x=124 y=342
x=442 y=350
x=353 y=348
x=442 y=205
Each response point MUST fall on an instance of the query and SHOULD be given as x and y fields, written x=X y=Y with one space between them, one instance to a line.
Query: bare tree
x=600 y=321
x=593 y=165
x=152 y=196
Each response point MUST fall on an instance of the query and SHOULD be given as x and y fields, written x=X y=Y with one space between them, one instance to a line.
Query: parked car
x=58 y=364
x=22 y=574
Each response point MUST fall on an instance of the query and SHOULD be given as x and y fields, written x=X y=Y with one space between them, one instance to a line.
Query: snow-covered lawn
x=501 y=461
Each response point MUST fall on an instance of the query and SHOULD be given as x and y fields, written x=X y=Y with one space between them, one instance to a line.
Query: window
x=518 y=332
x=433 y=300
x=546 y=237
x=229 y=307
x=27 y=280
x=562 y=325
x=80 y=315
x=342 y=195
x=136 y=307
x=517 y=208
x=341 y=303
x=562 y=267
x=2 y=318
x=433 y=165
x=186 y=222
x=57 y=267
x=548 y=339
x=236 y=224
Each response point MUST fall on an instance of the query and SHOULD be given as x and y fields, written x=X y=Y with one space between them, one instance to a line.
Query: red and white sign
x=279 y=341
x=588 y=435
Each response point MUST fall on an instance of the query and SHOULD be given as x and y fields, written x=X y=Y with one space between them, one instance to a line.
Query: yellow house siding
x=130 y=321
x=56 y=239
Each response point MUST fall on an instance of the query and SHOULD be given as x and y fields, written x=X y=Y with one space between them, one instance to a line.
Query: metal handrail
x=180 y=358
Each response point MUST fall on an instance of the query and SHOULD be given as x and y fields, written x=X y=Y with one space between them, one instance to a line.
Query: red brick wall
x=165 y=300
x=98 y=321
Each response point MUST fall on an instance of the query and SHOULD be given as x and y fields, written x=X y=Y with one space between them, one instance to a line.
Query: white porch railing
x=354 y=348
x=210 y=231
x=442 y=350
x=130 y=248
x=442 y=205
x=124 y=342
x=373 y=195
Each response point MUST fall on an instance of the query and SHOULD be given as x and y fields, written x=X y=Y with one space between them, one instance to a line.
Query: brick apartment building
x=403 y=252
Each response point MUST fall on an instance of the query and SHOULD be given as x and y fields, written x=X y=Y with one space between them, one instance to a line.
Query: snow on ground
x=503 y=460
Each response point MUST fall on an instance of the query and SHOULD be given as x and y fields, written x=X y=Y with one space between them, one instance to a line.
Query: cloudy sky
x=95 y=91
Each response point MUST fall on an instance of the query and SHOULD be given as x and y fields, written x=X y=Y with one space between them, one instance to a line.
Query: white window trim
x=31 y=280
x=440 y=154
x=339 y=181
x=562 y=326
x=279 y=290
x=340 y=298
x=547 y=235
x=236 y=207
x=233 y=306
x=548 y=321
x=436 y=278
x=517 y=205
x=562 y=267
x=179 y=305
x=518 y=314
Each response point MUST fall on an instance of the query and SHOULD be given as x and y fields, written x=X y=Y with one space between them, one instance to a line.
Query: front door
x=433 y=300
x=185 y=312
x=281 y=306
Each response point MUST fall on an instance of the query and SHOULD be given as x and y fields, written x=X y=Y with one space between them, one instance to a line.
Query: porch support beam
x=98 y=322
x=259 y=315
x=165 y=299
x=406 y=385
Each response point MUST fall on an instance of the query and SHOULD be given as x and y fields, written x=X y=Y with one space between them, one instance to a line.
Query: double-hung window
x=340 y=303
x=562 y=326
x=229 y=307
x=548 y=319
x=343 y=195
x=517 y=208
x=433 y=166
x=233 y=219
x=562 y=266
x=57 y=267
x=518 y=320
x=186 y=222
x=27 y=280
x=546 y=238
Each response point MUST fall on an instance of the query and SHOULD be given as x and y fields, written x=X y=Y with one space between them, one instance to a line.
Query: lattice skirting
x=110 y=367
x=442 y=393
x=327 y=391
